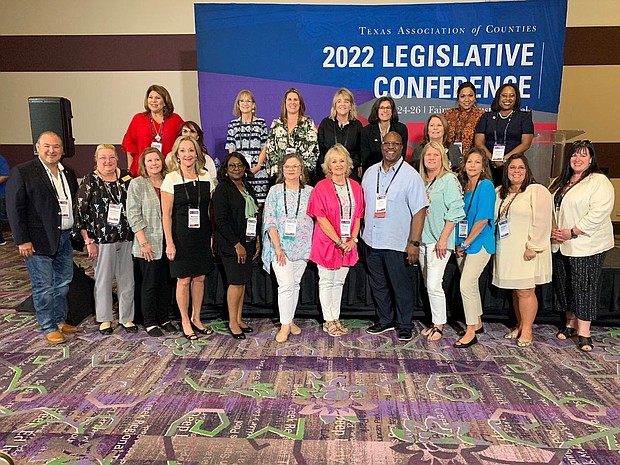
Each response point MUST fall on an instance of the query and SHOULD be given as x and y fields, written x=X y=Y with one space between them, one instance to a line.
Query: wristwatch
x=356 y=240
x=415 y=243
x=573 y=235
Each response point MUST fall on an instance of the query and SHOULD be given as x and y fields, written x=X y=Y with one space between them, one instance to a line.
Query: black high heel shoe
x=190 y=337
x=465 y=345
x=240 y=335
x=206 y=331
x=247 y=329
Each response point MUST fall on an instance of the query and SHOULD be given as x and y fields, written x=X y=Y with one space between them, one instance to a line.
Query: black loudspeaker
x=52 y=114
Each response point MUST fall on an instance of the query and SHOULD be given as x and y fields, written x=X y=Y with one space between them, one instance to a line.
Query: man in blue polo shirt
x=394 y=218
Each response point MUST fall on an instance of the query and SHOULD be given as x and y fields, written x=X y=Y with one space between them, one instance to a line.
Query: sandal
x=566 y=333
x=513 y=334
x=331 y=328
x=585 y=341
x=522 y=343
x=341 y=327
x=432 y=332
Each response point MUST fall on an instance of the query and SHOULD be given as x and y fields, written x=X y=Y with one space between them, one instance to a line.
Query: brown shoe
x=55 y=337
x=67 y=328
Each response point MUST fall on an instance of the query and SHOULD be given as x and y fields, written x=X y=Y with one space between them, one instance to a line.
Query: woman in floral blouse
x=101 y=218
x=293 y=132
x=287 y=233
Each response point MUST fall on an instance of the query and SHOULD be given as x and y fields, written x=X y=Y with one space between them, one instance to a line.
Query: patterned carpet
x=359 y=399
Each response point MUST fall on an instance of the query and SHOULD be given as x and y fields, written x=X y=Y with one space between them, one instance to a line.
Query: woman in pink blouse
x=337 y=204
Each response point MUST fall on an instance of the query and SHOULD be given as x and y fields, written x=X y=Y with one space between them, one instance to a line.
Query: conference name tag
x=290 y=150
x=157 y=145
x=498 y=152
x=114 y=213
x=193 y=217
x=459 y=145
x=463 y=229
x=250 y=228
x=345 y=228
x=503 y=228
x=380 y=206
x=290 y=228
x=64 y=208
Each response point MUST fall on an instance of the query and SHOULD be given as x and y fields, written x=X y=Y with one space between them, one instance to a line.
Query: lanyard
x=506 y=129
x=346 y=181
x=472 y=197
x=157 y=135
x=118 y=200
x=62 y=183
x=391 y=181
x=560 y=193
x=343 y=129
x=187 y=192
x=504 y=213
x=298 y=202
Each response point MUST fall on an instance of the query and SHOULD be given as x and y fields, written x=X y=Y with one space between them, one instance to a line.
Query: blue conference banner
x=418 y=54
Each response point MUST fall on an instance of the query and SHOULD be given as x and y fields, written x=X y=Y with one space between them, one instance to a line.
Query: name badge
x=114 y=213
x=250 y=228
x=345 y=228
x=64 y=207
x=463 y=229
x=290 y=150
x=498 y=152
x=459 y=145
x=193 y=218
x=157 y=145
x=290 y=229
x=380 y=206
x=503 y=228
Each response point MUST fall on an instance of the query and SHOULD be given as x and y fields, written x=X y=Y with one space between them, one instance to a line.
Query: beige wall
x=103 y=103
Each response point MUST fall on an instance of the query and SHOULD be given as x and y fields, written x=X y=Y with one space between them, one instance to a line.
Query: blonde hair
x=173 y=157
x=237 y=109
x=337 y=149
x=445 y=163
x=346 y=93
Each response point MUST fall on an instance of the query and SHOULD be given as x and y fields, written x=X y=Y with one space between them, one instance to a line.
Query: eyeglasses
x=385 y=108
x=246 y=101
x=236 y=166
x=389 y=142
x=583 y=142
x=291 y=167
x=106 y=158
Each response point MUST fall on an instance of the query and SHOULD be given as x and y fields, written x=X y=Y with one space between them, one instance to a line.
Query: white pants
x=331 y=283
x=472 y=266
x=114 y=261
x=289 y=276
x=432 y=270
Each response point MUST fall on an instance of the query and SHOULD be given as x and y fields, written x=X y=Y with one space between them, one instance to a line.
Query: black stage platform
x=357 y=302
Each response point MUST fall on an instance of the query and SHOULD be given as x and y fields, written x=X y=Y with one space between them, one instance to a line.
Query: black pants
x=156 y=292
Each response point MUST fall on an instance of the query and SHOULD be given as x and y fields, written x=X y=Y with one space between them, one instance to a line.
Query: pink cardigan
x=324 y=203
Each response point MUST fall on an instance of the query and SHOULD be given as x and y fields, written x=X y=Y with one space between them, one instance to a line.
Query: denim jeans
x=50 y=276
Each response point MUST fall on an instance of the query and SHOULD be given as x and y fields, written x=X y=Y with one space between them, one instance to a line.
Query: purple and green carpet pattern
x=357 y=399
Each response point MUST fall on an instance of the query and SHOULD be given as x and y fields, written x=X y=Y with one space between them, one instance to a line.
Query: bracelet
x=339 y=243
x=464 y=246
x=573 y=234
x=144 y=244
x=415 y=243
x=91 y=241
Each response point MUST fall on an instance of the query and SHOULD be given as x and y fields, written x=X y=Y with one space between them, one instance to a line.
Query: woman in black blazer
x=383 y=118
x=236 y=234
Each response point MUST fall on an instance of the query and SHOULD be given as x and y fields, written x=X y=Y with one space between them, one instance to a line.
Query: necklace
x=507 y=116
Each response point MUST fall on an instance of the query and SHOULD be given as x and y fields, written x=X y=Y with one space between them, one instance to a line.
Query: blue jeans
x=50 y=276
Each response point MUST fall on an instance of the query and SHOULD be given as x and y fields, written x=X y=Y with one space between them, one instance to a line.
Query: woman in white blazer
x=582 y=234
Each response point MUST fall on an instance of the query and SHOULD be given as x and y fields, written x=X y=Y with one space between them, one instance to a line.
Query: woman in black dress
x=185 y=196
x=236 y=234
